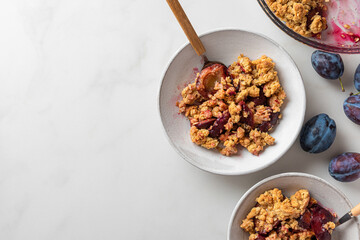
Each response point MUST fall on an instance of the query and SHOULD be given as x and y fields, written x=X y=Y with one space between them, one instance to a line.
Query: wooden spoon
x=190 y=31
x=352 y=213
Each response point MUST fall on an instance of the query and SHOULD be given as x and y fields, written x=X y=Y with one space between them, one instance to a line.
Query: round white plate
x=225 y=46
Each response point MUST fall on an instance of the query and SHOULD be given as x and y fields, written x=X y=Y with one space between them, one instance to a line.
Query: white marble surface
x=82 y=151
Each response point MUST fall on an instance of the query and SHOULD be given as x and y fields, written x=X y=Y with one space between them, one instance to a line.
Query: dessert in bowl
x=234 y=106
x=309 y=213
x=225 y=46
x=332 y=26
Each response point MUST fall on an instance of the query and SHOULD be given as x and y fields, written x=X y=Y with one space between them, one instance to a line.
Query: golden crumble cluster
x=299 y=217
x=303 y=16
x=234 y=106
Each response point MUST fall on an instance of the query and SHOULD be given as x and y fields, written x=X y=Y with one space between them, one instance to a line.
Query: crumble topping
x=303 y=16
x=239 y=109
x=277 y=217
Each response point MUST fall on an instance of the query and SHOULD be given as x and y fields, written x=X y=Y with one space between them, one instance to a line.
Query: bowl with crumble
x=329 y=25
x=292 y=206
x=237 y=115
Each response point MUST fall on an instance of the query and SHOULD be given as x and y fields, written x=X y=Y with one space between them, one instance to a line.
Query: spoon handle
x=354 y=212
x=186 y=26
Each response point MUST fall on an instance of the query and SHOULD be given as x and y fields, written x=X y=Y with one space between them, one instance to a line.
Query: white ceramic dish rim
x=289 y=174
x=212 y=170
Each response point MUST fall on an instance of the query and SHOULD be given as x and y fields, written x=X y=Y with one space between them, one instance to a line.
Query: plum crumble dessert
x=234 y=106
x=303 y=16
x=299 y=217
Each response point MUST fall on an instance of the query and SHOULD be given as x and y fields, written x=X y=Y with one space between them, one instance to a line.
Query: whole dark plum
x=345 y=167
x=328 y=65
x=357 y=78
x=318 y=134
x=352 y=108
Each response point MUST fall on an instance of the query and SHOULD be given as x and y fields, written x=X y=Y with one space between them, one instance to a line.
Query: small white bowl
x=225 y=46
x=326 y=194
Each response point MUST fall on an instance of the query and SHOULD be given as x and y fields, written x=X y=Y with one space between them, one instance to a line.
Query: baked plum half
x=208 y=77
x=321 y=216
